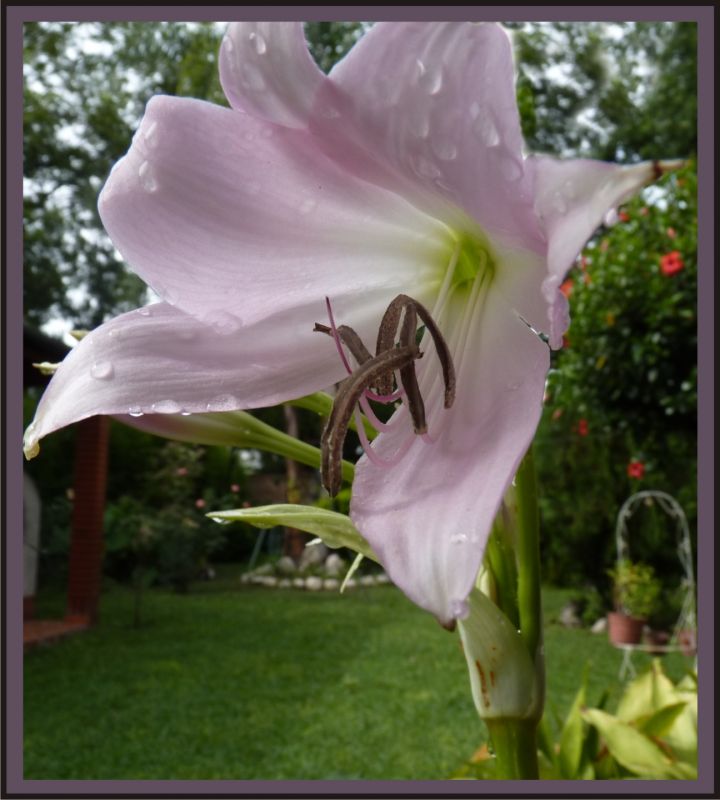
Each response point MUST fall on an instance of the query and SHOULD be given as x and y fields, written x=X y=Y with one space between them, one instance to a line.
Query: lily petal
x=158 y=360
x=430 y=111
x=572 y=199
x=231 y=225
x=428 y=517
x=267 y=71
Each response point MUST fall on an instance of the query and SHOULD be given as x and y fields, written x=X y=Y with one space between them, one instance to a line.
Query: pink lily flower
x=402 y=172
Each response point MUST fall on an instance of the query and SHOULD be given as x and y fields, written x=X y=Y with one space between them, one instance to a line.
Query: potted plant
x=636 y=591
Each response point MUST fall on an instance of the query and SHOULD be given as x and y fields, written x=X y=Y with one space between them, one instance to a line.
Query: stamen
x=408 y=377
x=373 y=456
x=335 y=336
x=384 y=398
x=345 y=400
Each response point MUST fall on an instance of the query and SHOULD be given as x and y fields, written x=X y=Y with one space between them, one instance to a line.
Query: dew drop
x=419 y=69
x=259 y=42
x=147 y=178
x=569 y=190
x=223 y=402
x=267 y=132
x=486 y=130
x=102 y=370
x=249 y=136
x=150 y=134
x=307 y=206
x=222 y=322
x=186 y=334
x=513 y=386
x=445 y=151
x=144 y=311
x=510 y=169
x=474 y=110
x=252 y=77
x=135 y=411
x=165 y=407
x=425 y=168
x=458 y=538
x=459 y=609
x=560 y=203
x=184 y=412
x=329 y=112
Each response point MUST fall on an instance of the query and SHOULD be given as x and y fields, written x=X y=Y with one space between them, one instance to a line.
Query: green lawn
x=235 y=682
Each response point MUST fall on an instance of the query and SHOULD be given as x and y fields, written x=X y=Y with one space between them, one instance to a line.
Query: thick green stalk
x=515 y=739
x=515 y=744
x=528 y=556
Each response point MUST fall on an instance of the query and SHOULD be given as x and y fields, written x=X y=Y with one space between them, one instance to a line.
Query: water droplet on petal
x=135 y=411
x=513 y=386
x=569 y=190
x=252 y=77
x=222 y=322
x=329 y=112
x=425 y=168
x=144 y=311
x=445 y=151
x=486 y=130
x=459 y=609
x=560 y=203
x=102 y=370
x=147 y=178
x=419 y=69
x=186 y=334
x=474 y=110
x=458 y=538
x=259 y=42
x=150 y=134
x=510 y=169
x=165 y=407
x=223 y=402
x=307 y=206
x=184 y=412
x=249 y=136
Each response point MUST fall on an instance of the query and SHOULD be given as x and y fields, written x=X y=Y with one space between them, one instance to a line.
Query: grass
x=236 y=682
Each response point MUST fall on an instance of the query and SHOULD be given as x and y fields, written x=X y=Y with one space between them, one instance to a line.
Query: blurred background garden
x=209 y=654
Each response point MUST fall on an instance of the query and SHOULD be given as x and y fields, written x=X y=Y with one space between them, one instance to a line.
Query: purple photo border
x=13 y=783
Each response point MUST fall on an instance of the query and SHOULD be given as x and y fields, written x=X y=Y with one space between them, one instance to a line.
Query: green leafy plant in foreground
x=651 y=735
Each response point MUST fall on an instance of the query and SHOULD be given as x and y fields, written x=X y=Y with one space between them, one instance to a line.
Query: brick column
x=86 y=545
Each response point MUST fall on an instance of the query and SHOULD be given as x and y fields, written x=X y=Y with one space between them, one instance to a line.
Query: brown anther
x=348 y=395
x=378 y=371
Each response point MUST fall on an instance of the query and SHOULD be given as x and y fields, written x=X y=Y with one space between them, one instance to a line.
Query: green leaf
x=571 y=738
x=336 y=530
x=648 y=693
x=659 y=723
x=630 y=748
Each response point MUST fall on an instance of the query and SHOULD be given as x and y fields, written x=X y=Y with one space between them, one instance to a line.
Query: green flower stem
x=515 y=744
x=528 y=557
x=515 y=739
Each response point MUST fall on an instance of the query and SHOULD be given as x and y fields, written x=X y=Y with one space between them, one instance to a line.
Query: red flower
x=636 y=469
x=671 y=263
x=199 y=503
x=671 y=232
x=567 y=287
x=557 y=414
x=566 y=342
x=181 y=472
x=623 y=216
x=644 y=211
x=235 y=487
x=582 y=427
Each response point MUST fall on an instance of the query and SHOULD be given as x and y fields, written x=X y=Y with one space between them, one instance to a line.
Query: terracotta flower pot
x=687 y=639
x=623 y=629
